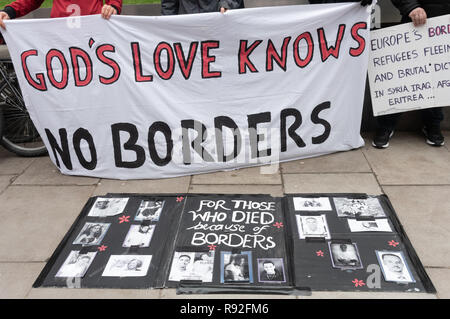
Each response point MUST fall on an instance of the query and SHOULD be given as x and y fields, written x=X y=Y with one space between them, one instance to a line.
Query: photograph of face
x=105 y=207
x=149 y=210
x=271 y=270
x=348 y=207
x=345 y=256
x=91 y=234
x=394 y=266
x=139 y=235
x=377 y=225
x=127 y=266
x=236 y=268
x=192 y=266
x=312 y=204
x=76 y=264
x=312 y=226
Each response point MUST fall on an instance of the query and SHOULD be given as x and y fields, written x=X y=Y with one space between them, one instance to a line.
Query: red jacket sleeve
x=23 y=7
x=116 y=4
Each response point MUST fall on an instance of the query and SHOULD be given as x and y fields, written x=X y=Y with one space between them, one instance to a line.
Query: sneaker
x=382 y=137
x=433 y=135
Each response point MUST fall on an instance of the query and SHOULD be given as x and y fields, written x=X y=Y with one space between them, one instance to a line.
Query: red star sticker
x=124 y=219
x=319 y=253
x=212 y=247
x=393 y=243
x=179 y=199
x=102 y=248
x=278 y=225
x=358 y=283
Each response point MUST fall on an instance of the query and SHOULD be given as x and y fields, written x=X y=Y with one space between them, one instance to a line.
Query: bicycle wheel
x=19 y=134
x=1 y=122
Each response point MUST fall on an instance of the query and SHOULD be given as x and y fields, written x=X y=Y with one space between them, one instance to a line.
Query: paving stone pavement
x=38 y=205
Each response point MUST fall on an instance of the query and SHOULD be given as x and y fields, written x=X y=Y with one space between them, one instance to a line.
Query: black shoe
x=382 y=137
x=433 y=135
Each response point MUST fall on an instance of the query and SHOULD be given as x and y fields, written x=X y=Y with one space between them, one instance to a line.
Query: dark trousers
x=430 y=117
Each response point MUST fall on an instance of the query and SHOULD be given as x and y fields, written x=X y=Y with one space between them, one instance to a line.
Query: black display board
x=112 y=243
x=209 y=243
x=316 y=259
x=241 y=238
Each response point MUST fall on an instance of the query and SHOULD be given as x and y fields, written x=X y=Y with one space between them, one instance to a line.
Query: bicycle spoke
x=19 y=133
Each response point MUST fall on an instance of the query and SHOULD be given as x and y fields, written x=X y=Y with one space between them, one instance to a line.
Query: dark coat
x=433 y=8
x=172 y=7
x=278 y=277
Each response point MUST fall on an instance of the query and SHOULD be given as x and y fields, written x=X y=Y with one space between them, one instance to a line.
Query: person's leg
x=432 y=118
x=385 y=130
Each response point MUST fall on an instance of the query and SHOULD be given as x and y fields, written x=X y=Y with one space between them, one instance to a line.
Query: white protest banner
x=409 y=67
x=155 y=97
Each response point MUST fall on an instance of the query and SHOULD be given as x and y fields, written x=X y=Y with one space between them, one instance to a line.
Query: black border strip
x=170 y=250
x=289 y=240
x=193 y=288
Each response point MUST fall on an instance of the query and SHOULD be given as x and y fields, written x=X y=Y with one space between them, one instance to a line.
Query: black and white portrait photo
x=376 y=225
x=76 y=264
x=105 y=207
x=368 y=207
x=127 y=266
x=149 y=210
x=312 y=226
x=312 y=204
x=91 y=234
x=192 y=266
x=271 y=270
x=139 y=235
x=203 y=265
x=236 y=268
x=394 y=266
x=345 y=256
